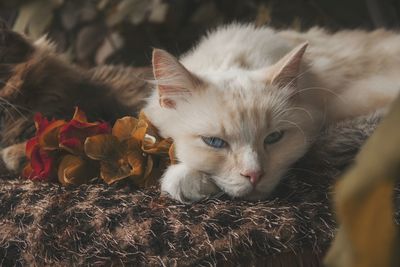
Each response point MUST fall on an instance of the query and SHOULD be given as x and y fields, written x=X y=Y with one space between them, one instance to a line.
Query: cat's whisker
x=318 y=88
x=4 y=107
x=324 y=118
x=298 y=127
x=10 y=85
x=303 y=169
x=301 y=109
x=16 y=89
x=13 y=107
x=278 y=108
x=306 y=71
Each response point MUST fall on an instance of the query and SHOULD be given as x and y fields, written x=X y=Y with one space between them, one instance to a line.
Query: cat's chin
x=235 y=191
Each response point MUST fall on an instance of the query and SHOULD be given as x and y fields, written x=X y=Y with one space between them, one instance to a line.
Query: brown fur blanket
x=44 y=224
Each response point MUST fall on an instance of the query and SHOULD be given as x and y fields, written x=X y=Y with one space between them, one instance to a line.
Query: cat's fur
x=241 y=83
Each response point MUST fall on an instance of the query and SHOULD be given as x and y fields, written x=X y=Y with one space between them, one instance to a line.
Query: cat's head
x=242 y=127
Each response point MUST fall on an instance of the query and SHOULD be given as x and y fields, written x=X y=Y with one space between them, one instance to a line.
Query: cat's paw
x=14 y=157
x=186 y=185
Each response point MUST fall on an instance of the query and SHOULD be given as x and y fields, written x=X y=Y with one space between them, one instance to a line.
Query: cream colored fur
x=242 y=83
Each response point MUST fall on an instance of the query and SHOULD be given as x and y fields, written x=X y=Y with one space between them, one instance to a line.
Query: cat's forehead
x=242 y=106
x=244 y=112
x=234 y=80
x=242 y=93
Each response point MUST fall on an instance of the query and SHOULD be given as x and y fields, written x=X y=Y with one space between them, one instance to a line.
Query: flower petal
x=140 y=131
x=79 y=115
x=41 y=165
x=103 y=147
x=129 y=164
x=159 y=147
x=40 y=122
x=73 y=134
x=152 y=142
x=149 y=167
x=136 y=161
x=150 y=176
x=27 y=172
x=151 y=130
x=114 y=171
x=48 y=138
x=30 y=146
x=123 y=127
x=75 y=170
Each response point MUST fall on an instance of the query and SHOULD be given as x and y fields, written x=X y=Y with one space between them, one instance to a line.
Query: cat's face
x=242 y=128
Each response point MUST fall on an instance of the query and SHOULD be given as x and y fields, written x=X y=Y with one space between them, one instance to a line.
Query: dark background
x=95 y=32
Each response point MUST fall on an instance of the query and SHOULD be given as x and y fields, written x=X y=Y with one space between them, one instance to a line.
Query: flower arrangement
x=77 y=151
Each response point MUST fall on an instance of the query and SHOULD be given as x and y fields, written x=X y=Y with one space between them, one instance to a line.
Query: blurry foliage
x=124 y=31
x=368 y=235
x=35 y=17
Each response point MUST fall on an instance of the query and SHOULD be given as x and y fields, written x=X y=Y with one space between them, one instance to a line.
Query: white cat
x=247 y=102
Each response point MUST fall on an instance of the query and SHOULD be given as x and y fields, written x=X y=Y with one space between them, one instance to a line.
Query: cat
x=245 y=103
x=34 y=78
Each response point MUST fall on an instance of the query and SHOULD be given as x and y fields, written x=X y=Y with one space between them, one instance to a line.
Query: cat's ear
x=286 y=71
x=173 y=80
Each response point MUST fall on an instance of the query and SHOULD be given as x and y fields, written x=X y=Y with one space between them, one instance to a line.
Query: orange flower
x=134 y=150
x=77 y=168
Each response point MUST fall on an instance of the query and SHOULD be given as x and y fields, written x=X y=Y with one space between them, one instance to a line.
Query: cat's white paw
x=14 y=157
x=186 y=185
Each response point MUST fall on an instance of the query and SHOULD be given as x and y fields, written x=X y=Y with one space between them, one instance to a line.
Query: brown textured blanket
x=45 y=224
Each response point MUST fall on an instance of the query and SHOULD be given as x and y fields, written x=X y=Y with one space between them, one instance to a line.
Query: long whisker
x=10 y=85
x=303 y=169
x=300 y=75
x=4 y=101
x=298 y=127
x=4 y=107
x=301 y=109
x=318 y=88
x=282 y=111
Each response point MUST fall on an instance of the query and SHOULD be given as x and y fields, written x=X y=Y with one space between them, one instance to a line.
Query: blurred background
x=94 y=32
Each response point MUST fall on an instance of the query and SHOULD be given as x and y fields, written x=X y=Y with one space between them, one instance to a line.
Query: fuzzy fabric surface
x=43 y=224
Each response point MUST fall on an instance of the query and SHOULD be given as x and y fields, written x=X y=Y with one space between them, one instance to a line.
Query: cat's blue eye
x=214 y=142
x=273 y=137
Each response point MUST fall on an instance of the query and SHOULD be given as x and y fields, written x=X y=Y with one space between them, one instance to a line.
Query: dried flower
x=74 y=133
x=133 y=150
x=41 y=149
x=79 y=151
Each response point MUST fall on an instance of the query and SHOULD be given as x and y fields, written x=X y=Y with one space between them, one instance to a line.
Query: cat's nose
x=253 y=176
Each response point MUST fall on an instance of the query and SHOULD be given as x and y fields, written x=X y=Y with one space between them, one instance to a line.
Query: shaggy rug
x=44 y=224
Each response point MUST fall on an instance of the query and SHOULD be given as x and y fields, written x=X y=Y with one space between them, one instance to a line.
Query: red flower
x=74 y=133
x=54 y=140
x=40 y=149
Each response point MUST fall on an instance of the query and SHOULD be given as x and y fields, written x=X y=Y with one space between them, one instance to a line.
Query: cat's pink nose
x=253 y=176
